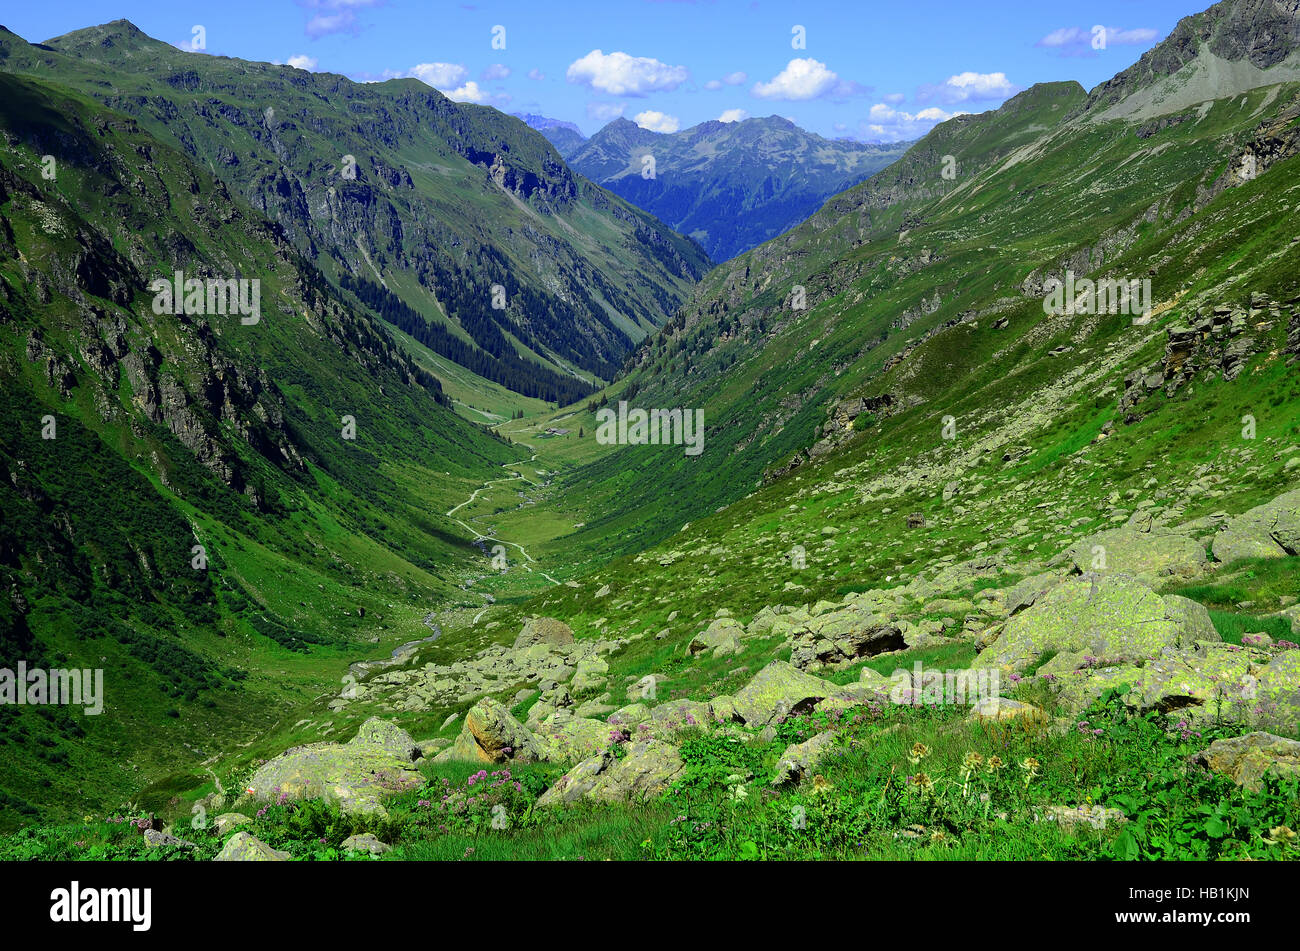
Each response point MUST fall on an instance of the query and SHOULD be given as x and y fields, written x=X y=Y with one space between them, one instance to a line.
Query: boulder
x=354 y=775
x=492 y=735
x=155 y=839
x=564 y=738
x=799 y=759
x=645 y=771
x=677 y=714
x=841 y=636
x=999 y=709
x=544 y=630
x=1246 y=759
x=243 y=847
x=1271 y=530
x=722 y=637
x=1147 y=555
x=778 y=692
x=1100 y=618
x=227 y=821
x=365 y=843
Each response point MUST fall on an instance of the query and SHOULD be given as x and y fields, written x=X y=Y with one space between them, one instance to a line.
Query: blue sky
x=876 y=71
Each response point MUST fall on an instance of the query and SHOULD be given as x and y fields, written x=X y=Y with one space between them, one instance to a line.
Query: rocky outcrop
x=355 y=775
x=1149 y=555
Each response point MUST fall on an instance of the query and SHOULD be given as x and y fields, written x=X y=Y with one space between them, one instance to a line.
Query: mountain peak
x=1227 y=49
x=121 y=36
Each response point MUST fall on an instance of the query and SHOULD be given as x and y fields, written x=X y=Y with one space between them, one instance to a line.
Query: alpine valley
x=969 y=560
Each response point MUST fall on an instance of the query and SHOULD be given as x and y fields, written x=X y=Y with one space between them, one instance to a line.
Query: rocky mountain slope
x=728 y=185
x=392 y=184
x=185 y=501
x=960 y=573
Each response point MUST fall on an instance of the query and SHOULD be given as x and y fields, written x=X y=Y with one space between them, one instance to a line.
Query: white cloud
x=302 y=62
x=536 y=75
x=967 y=86
x=1075 y=41
x=619 y=74
x=884 y=123
x=733 y=115
x=440 y=76
x=805 y=79
x=335 y=16
x=494 y=72
x=657 y=121
x=451 y=79
x=731 y=79
x=895 y=98
x=604 y=111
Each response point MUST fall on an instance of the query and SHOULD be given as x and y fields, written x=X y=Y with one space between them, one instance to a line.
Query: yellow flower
x=995 y=763
x=972 y=762
x=820 y=785
x=1030 y=766
x=1280 y=835
x=936 y=835
x=919 y=752
x=924 y=782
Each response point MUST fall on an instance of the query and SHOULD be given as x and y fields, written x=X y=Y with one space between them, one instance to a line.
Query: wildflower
x=1280 y=835
x=995 y=764
x=972 y=761
x=919 y=752
x=821 y=785
x=923 y=782
x=1030 y=766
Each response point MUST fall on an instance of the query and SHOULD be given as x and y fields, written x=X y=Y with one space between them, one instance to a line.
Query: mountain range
x=728 y=185
x=917 y=455
x=419 y=204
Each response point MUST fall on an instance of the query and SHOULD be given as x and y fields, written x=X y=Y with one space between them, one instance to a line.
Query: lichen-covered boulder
x=564 y=738
x=799 y=759
x=1108 y=619
x=354 y=775
x=722 y=637
x=242 y=847
x=492 y=735
x=1247 y=759
x=1000 y=709
x=843 y=635
x=544 y=630
x=1271 y=530
x=1148 y=555
x=778 y=692
x=645 y=771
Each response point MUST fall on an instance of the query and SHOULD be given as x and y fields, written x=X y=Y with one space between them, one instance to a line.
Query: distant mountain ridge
x=728 y=185
x=395 y=184
x=565 y=136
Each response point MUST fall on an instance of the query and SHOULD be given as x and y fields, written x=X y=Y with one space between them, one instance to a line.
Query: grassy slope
x=198 y=658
